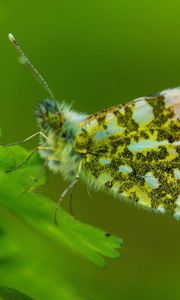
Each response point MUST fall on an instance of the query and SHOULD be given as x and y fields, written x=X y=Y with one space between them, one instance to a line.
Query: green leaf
x=7 y=293
x=37 y=210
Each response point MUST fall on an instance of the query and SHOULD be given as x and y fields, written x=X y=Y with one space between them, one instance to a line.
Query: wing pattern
x=133 y=149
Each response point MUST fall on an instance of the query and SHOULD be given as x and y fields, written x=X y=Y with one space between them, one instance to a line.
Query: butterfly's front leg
x=67 y=191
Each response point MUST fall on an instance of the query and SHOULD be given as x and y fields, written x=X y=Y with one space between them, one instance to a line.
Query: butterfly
x=131 y=150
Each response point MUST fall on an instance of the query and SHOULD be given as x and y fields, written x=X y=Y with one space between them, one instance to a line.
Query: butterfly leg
x=28 y=158
x=22 y=142
x=68 y=190
x=22 y=163
x=26 y=140
x=70 y=203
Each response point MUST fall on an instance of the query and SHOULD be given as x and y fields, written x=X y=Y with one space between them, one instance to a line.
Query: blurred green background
x=95 y=54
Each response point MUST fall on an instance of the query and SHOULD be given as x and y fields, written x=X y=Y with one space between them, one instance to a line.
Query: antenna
x=35 y=71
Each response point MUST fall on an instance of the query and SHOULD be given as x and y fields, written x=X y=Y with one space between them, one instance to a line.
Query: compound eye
x=49 y=115
x=55 y=120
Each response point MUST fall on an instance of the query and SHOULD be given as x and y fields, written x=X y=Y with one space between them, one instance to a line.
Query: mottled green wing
x=134 y=150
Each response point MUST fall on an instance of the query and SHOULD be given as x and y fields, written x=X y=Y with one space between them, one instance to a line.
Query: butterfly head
x=49 y=116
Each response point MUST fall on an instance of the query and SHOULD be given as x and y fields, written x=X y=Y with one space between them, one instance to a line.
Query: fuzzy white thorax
x=59 y=149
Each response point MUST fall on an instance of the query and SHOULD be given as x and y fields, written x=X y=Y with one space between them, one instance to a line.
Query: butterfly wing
x=134 y=150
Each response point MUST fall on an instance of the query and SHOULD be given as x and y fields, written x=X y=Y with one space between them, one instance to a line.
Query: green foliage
x=12 y=294
x=28 y=217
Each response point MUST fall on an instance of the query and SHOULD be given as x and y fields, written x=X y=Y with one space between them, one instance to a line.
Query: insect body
x=132 y=150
